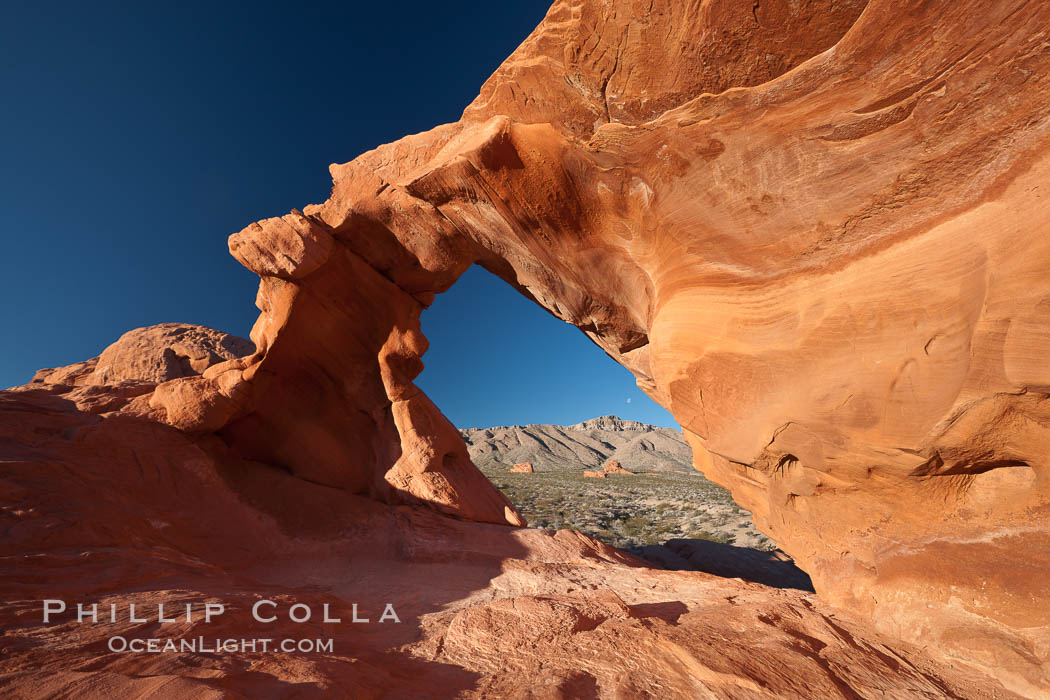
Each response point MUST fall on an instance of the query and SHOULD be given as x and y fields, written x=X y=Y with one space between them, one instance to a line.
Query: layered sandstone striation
x=815 y=231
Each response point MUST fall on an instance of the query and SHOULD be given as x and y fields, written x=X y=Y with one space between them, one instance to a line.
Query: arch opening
x=564 y=433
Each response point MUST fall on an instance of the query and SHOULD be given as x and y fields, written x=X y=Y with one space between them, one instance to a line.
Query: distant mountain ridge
x=638 y=447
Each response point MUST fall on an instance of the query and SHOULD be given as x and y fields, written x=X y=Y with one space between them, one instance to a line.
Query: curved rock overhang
x=814 y=231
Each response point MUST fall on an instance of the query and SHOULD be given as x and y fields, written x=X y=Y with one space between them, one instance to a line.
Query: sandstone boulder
x=523 y=468
x=593 y=475
x=613 y=467
x=153 y=354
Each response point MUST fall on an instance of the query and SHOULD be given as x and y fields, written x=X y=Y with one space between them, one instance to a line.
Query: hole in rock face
x=562 y=429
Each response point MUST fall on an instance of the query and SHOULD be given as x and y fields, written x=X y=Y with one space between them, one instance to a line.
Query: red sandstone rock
x=289 y=247
x=815 y=231
x=593 y=475
x=816 y=236
x=153 y=354
x=522 y=468
x=613 y=467
x=151 y=515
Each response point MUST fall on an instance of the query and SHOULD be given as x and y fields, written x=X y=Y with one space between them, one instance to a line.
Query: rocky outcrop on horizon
x=153 y=354
x=586 y=445
x=815 y=231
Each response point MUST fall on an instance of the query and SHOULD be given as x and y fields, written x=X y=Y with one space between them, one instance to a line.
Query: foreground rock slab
x=140 y=513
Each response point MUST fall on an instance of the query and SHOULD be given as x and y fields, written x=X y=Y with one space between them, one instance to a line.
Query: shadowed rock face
x=770 y=568
x=814 y=231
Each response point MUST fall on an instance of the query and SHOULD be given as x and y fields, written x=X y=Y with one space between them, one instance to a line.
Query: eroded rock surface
x=153 y=354
x=137 y=512
x=815 y=231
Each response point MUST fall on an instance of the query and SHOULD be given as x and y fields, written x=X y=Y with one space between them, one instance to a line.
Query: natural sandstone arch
x=830 y=266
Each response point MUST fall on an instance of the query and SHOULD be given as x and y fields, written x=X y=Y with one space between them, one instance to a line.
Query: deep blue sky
x=496 y=358
x=135 y=137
